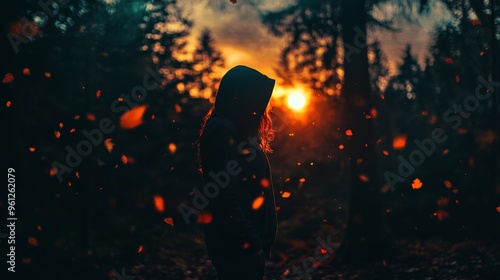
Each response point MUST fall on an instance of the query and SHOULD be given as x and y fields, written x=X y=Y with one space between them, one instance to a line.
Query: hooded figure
x=237 y=178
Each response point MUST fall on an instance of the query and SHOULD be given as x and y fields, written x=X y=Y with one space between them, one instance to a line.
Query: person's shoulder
x=218 y=128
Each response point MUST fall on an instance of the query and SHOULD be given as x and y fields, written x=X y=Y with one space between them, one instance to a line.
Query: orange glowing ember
x=172 y=148
x=133 y=118
x=9 y=78
x=257 y=203
x=159 y=203
x=204 y=218
x=91 y=117
x=286 y=194
x=364 y=178
x=109 y=144
x=448 y=184
x=32 y=149
x=33 y=241
x=124 y=159
x=399 y=142
x=169 y=221
x=498 y=209
x=348 y=132
x=265 y=183
x=417 y=184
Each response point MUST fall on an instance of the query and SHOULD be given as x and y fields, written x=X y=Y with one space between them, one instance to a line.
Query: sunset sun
x=296 y=100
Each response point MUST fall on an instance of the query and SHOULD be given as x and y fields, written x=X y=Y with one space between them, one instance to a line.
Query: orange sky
x=243 y=39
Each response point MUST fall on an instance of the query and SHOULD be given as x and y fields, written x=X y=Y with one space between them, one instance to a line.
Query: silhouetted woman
x=236 y=172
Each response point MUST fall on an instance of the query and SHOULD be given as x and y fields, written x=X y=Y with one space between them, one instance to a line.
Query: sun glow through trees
x=296 y=100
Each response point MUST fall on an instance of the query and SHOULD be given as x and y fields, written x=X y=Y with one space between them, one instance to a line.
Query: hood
x=242 y=97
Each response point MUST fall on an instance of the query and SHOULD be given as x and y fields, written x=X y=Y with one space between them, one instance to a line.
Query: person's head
x=243 y=98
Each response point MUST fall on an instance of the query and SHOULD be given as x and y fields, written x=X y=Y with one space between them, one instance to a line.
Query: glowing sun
x=296 y=100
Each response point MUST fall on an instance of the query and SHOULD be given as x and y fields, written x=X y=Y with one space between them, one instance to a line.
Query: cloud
x=238 y=32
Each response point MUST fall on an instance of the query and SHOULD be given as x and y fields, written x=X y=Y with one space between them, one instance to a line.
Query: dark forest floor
x=180 y=260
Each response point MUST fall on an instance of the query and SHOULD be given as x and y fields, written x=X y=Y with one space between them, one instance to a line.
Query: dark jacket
x=243 y=209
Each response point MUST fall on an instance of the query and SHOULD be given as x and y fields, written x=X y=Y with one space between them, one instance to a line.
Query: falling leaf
x=91 y=117
x=139 y=249
x=204 y=218
x=8 y=78
x=32 y=149
x=109 y=144
x=265 y=183
x=417 y=184
x=286 y=194
x=159 y=203
x=441 y=215
x=257 y=203
x=172 y=148
x=364 y=178
x=133 y=118
x=33 y=241
x=169 y=221
x=348 y=132
x=448 y=184
x=399 y=142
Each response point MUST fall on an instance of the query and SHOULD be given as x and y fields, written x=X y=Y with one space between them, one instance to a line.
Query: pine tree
x=208 y=63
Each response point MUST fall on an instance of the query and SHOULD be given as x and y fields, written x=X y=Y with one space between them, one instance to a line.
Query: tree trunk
x=367 y=238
